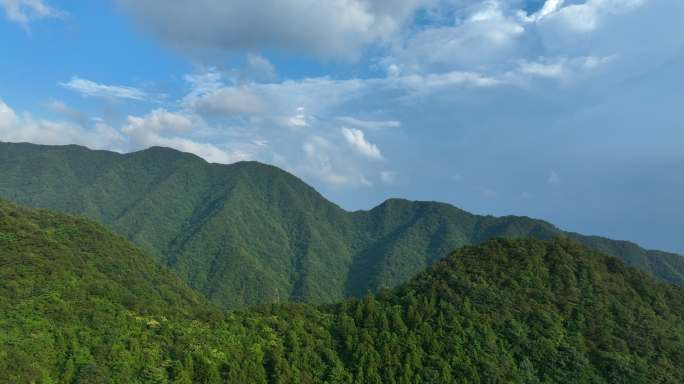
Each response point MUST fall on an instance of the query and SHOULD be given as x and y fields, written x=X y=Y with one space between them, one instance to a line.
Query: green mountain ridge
x=250 y=233
x=80 y=305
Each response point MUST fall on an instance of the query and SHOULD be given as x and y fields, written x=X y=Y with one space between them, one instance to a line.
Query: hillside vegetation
x=80 y=305
x=249 y=233
x=73 y=295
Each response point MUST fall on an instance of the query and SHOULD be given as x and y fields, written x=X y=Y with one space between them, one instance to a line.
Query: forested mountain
x=72 y=295
x=249 y=233
x=80 y=305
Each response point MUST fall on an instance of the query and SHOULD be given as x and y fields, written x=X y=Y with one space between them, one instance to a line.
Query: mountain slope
x=507 y=311
x=531 y=311
x=67 y=284
x=80 y=305
x=249 y=233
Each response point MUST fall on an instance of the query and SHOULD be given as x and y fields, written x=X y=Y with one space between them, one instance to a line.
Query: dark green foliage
x=249 y=233
x=79 y=305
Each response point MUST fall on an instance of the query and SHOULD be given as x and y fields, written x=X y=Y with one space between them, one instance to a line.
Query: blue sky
x=570 y=111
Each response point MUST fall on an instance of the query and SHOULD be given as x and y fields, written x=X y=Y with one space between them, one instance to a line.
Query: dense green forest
x=81 y=305
x=249 y=233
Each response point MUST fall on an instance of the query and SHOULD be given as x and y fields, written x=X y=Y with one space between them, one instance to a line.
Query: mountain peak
x=165 y=152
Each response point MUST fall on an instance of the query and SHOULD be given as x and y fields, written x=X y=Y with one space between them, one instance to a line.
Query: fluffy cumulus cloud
x=483 y=34
x=320 y=162
x=562 y=39
x=25 y=11
x=168 y=129
x=16 y=127
x=329 y=28
x=158 y=120
x=327 y=162
x=357 y=140
x=299 y=120
x=159 y=127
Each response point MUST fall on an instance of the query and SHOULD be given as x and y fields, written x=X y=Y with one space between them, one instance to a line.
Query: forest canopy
x=81 y=305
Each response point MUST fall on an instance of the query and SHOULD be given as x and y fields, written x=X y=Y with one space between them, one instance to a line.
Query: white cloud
x=317 y=103
x=26 y=128
x=162 y=128
x=227 y=101
x=211 y=91
x=327 y=163
x=487 y=11
x=433 y=81
x=160 y=120
x=211 y=94
x=485 y=35
x=300 y=120
x=93 y=89
x=356 y=138
x=588 y=16
x=203 y=82
x=258 y=68
x=549 y=7
x=552 y=70
x=320 y=163
x=561 y=68
x=331 y=28
x=369 y=124
x=462 y=47
x=491 y=37
x=25 y=11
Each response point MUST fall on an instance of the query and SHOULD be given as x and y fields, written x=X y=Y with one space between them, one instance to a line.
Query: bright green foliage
x=73 y=295
x=79 y=305
x=249 y=233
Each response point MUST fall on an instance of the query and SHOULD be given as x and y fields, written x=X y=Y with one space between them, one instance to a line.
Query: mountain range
x=79 y=304
x=249 y=233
